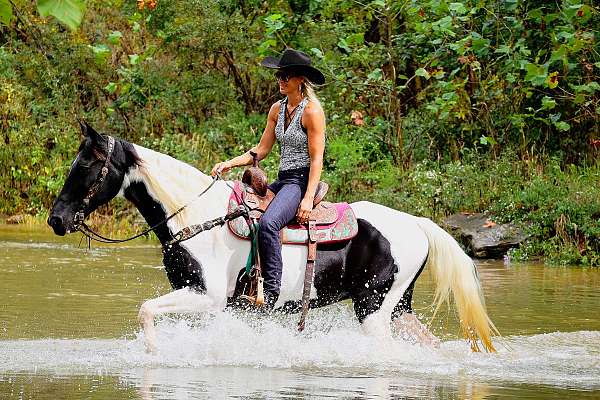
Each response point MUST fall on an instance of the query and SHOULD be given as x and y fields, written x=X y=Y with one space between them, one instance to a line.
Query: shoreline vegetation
x=433 y=107
x=111 y=222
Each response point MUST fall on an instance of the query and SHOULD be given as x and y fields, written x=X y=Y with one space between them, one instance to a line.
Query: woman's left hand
x=304 y=210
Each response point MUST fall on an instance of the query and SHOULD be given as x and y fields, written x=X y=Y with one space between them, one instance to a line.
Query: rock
x=15 y=219
x=482 y=237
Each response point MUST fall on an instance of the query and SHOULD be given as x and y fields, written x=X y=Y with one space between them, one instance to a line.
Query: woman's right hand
x=221 y=167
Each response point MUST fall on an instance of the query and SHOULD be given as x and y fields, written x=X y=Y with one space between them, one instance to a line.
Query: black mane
x=129 y=159
x=130 y=154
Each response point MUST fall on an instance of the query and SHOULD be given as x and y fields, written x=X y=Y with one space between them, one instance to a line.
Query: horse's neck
x=161 y=185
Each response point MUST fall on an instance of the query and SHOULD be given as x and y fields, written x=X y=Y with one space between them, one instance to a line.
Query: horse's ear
x=82 y=127
x=88 y=131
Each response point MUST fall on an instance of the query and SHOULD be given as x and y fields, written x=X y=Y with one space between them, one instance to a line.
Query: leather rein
x=184 y=234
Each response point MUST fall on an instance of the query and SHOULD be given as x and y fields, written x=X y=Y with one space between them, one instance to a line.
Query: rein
x=184 y=234
x=190 y=231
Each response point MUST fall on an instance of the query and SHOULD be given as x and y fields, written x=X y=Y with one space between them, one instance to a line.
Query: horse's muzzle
x=57 y=225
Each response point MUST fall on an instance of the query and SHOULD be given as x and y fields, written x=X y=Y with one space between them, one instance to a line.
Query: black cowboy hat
x=297 y=62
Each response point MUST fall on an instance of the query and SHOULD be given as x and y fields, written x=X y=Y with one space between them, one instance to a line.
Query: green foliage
x=6 y=14
x=562 y=211
x=433 y=107
x=69 y=12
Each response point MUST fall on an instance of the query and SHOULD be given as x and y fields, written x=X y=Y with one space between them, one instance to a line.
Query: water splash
x=333 y=342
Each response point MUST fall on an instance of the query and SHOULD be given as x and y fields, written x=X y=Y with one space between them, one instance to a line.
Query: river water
x=68 y=330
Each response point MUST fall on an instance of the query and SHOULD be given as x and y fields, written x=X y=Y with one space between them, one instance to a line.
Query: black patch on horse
x=182 y=269
x=152 y=211
x=361 y=269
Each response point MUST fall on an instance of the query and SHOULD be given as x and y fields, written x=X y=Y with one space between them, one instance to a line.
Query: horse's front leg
x=181 y=301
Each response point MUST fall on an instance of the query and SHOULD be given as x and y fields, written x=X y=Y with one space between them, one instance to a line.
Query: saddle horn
x=256 y=177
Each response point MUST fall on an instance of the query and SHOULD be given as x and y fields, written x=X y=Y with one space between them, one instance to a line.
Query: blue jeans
x=289 y=189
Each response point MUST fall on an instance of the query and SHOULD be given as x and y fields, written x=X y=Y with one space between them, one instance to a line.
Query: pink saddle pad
x=344 y=228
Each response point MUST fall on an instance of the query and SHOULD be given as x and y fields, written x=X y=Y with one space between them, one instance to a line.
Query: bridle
x=80 y=215
x=185 y=234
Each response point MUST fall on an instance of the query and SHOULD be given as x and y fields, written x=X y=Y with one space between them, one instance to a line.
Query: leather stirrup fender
x=308 y=273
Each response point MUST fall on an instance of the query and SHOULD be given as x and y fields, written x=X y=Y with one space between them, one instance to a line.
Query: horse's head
x=87 y=187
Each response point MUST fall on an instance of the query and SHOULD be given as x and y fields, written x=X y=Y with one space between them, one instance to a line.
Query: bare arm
x=313 y=120
x=262 y=149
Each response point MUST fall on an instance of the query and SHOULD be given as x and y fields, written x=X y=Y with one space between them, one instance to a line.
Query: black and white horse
x=376 y=270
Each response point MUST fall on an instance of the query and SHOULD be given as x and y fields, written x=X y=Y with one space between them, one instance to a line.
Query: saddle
x=333 y=222
x=328 y=223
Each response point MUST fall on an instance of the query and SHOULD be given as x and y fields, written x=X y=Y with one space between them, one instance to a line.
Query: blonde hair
x=308 y=90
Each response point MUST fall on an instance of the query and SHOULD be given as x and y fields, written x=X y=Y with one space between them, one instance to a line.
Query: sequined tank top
x=293 y=141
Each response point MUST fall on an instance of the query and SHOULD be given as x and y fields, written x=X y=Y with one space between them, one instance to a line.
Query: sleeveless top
x=293 y=141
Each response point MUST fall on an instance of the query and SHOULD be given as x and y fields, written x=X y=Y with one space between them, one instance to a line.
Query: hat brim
x=309 y=72
x=270 y=62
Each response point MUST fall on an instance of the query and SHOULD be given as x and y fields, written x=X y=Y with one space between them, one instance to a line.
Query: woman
x=298 y=123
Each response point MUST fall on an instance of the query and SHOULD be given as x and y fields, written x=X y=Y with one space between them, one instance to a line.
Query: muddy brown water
x=68 y=330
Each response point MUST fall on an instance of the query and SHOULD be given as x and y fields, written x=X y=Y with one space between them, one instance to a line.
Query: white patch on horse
x=174 y=184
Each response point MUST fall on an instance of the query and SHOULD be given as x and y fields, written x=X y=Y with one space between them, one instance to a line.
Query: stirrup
x=259 y=298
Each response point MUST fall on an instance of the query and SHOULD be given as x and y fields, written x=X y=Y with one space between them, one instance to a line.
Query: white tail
x=453 y=270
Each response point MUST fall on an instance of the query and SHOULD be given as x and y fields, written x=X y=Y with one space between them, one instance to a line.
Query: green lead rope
x=253 y=249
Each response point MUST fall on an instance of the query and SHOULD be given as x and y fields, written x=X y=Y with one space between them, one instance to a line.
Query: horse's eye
x=86 y=166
